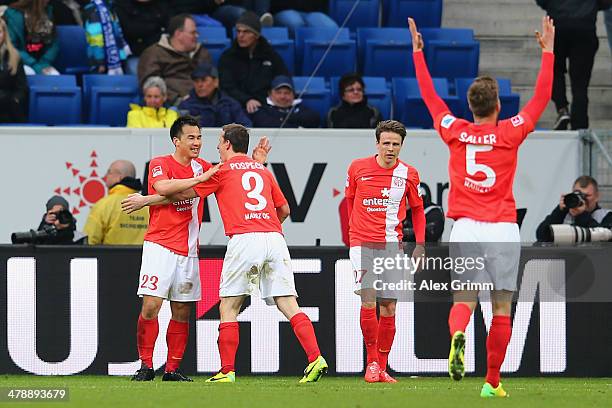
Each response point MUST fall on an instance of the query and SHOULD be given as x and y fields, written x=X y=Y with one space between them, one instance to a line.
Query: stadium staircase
x=508 y=49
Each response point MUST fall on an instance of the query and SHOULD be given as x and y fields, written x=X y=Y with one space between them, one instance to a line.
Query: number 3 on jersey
x=254 y=192
x=472 y=168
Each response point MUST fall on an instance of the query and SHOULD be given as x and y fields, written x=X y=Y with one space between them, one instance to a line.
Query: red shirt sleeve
x=437 y=107
x=416 y=205
x=158 y=170
x=277 y=194
x=543 y=90
x=350 y=186
x=208 y=187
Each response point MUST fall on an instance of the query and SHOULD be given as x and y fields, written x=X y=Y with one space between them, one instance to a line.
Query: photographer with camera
x=56 y=228
x=579 y=208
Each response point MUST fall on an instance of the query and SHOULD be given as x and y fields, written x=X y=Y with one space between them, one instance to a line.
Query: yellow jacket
x=108 y=225
x=146 y=117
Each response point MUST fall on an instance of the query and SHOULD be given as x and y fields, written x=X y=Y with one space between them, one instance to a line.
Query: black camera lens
x=573 y=200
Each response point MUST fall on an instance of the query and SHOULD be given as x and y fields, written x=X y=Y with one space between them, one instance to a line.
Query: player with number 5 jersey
x=483 y=159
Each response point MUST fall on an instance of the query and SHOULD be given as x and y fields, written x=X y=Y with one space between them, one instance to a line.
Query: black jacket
x=246 y=77
x=57 y=237
x=574 y=14
x=357 y=116
x=273 y=116
x=13 y=93
x=586 y=219
x=299 y=5
x=142 y=23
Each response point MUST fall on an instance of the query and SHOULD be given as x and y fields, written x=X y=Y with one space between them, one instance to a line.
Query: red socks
x=229 y=337
x=146 y=334
x=497 y=342
x=302 y=327
x=176 y=338
x=369 y=329
x=459 y=317
x=386 y=334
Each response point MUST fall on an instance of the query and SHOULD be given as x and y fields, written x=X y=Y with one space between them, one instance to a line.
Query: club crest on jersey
x=157 y=171
x=447 y=121
x=517 y=120
x=398 y=182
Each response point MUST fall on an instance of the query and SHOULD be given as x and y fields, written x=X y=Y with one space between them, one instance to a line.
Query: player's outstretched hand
x=417 y=38
x=209 y=173
x=546 y=38
x=260 y=153
x=132 y=202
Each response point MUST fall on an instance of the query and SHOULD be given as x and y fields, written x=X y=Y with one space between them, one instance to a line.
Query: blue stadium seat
x=409 y=107
x=278 y=37
x=365 y=15
x=107 y=98
x=451 y=52
x=72 y=56
x=385 y=52
x=316 y=96
x=510 y=102
x=215 y=40
x=54 y=99
x=311 y=44
x=426 y=13
x=376 y=90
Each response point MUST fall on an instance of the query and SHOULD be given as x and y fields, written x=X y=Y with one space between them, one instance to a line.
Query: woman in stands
x=13 y=84
x=153 y=114
x=33 y=34
x=353 y=112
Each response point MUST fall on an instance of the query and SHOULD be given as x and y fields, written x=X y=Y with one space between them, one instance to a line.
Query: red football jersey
x=379 y=200
x=247 y=194
x=482 y=164
x=176 y=226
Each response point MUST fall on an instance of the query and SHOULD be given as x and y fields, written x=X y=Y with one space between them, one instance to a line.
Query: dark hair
x=349 y=79
x=483 y=96
x=176 y=130
x=390 y=126
x=238 y=136
x=178 y=22
x=585 y=181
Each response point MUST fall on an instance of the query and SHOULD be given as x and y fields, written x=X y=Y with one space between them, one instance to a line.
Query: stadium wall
x=309 y=164
x=69 y=310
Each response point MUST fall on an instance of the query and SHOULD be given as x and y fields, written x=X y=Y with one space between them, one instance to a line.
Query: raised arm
x=434 y=103
x=543 y=88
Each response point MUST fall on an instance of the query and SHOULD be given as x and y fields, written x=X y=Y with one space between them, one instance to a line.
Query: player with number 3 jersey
x=483 y=159
x=252 y=208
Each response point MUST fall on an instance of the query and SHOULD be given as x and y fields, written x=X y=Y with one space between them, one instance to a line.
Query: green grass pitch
x=271 y=391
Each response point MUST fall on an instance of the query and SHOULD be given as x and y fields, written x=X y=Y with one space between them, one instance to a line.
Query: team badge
x=517 y=120
x=447 y=121
x=157 y=171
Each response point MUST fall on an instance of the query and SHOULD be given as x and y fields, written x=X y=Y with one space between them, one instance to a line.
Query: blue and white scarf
x=113 y=58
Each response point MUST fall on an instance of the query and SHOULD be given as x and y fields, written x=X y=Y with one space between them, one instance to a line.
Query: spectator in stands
x=106 y=223
x=174 y=57
x=281 y=101
x=247 y=68
x=68 y=12
x=106 y=47
x=13 y=84
x=210 y=105
x=353 y=111
x=153 y=114
x=294 y=14
x=586 y=213
x=58 y=222
x=143 y=22
x=33 y=35
x=225 y=12
x=576 y=41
